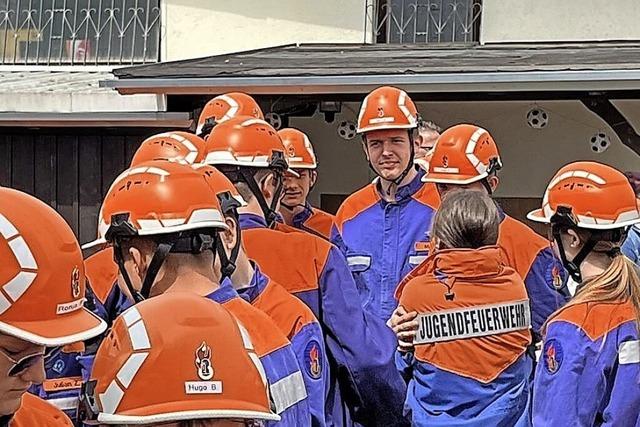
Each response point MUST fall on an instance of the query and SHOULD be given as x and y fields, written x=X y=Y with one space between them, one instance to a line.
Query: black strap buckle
x=88 y=409
x=120 y=227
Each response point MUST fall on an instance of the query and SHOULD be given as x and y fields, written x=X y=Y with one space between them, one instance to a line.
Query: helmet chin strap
x=573 y=266
x=229 y=207
x=193 y=243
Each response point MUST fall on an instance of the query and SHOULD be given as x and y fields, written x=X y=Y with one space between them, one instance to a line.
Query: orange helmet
x=176 y=357
x=42 y=275
x=159 y=197
x=175 y=146
x=225 y=107
x=463 y=154
x=299 y=149
x=246 y=142
x=596 y=196
x=387 y=107
x=242 y=144
x=171 y=202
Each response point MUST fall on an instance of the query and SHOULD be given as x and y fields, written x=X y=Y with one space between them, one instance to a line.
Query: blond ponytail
x=619 y=282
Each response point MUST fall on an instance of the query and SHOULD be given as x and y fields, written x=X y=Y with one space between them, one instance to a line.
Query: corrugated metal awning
x=348 y=69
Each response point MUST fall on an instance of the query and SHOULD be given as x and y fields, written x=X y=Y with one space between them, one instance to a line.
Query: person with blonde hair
x=589 y=372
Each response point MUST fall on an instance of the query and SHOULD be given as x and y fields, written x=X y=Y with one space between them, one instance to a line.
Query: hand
x=405 y=327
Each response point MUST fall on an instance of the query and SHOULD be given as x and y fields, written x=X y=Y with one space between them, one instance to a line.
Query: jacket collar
x=467 y=263
x=402 y=193
x=224 y=293
x=249 y=220
x=255 y=288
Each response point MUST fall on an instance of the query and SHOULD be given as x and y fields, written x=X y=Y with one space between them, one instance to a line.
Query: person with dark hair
x=472 y=324
x=364 y=385
x=466 y=158
x=590 y=365
x=169 y=235
x=295 y=209
x=383 y=228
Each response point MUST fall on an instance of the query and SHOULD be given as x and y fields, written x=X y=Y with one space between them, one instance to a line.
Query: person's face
x=388 y=151
x=296 y=189
x=13 y=387
x=427 y=139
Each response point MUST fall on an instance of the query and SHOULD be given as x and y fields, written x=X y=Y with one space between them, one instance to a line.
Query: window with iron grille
x=427 y=21
x=79 y=32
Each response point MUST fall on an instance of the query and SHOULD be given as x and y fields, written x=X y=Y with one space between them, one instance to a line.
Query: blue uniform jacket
x=469 y=366
x=631 y=246
x=533 y=259
x=364 y=385
x=283 y=373
x=589 y=369
x=300 y=326
x=384 y=241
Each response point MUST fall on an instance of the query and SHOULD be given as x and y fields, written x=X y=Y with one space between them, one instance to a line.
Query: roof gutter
x=511 y=81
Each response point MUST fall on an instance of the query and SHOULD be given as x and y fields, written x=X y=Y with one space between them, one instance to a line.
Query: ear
x=229 y=237
x=268 y=185
x=573 y=239
x=139 y=262
x=417 y=141
x=313 y=177
x=365 y=148
x=493 y=181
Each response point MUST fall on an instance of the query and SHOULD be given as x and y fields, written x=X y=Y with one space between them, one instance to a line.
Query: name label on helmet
x=472 y=322
x=381 y=120
x=71 y=306
x=445 y=170
x=203 y=387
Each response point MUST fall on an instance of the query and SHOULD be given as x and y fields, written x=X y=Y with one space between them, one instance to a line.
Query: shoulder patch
x=555 y=275
x=313 y=360
x=553 y=355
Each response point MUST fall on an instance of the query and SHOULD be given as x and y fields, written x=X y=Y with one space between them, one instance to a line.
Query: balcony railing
x=79 y=32
x=425 y=21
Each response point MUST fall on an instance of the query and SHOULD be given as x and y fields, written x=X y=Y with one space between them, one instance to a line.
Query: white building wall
x=195 y=28
x=530 y=156
x=559 y=20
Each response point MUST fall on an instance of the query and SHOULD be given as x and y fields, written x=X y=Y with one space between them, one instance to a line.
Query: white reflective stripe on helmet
x=18 y=284
x=111 y=398
x=233 y=108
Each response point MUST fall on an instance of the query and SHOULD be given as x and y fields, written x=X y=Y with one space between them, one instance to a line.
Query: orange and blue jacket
x=469 y=365
x=286 y=383
x=383 y=241
x=533 y=259
x=364 y=386
x=69 y=366
x=36 y=412
x=313 y=220
x=297 y=322
x=589 y=369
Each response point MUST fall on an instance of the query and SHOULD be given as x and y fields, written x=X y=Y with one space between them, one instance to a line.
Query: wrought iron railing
x=79 y=32
x=425 y=21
